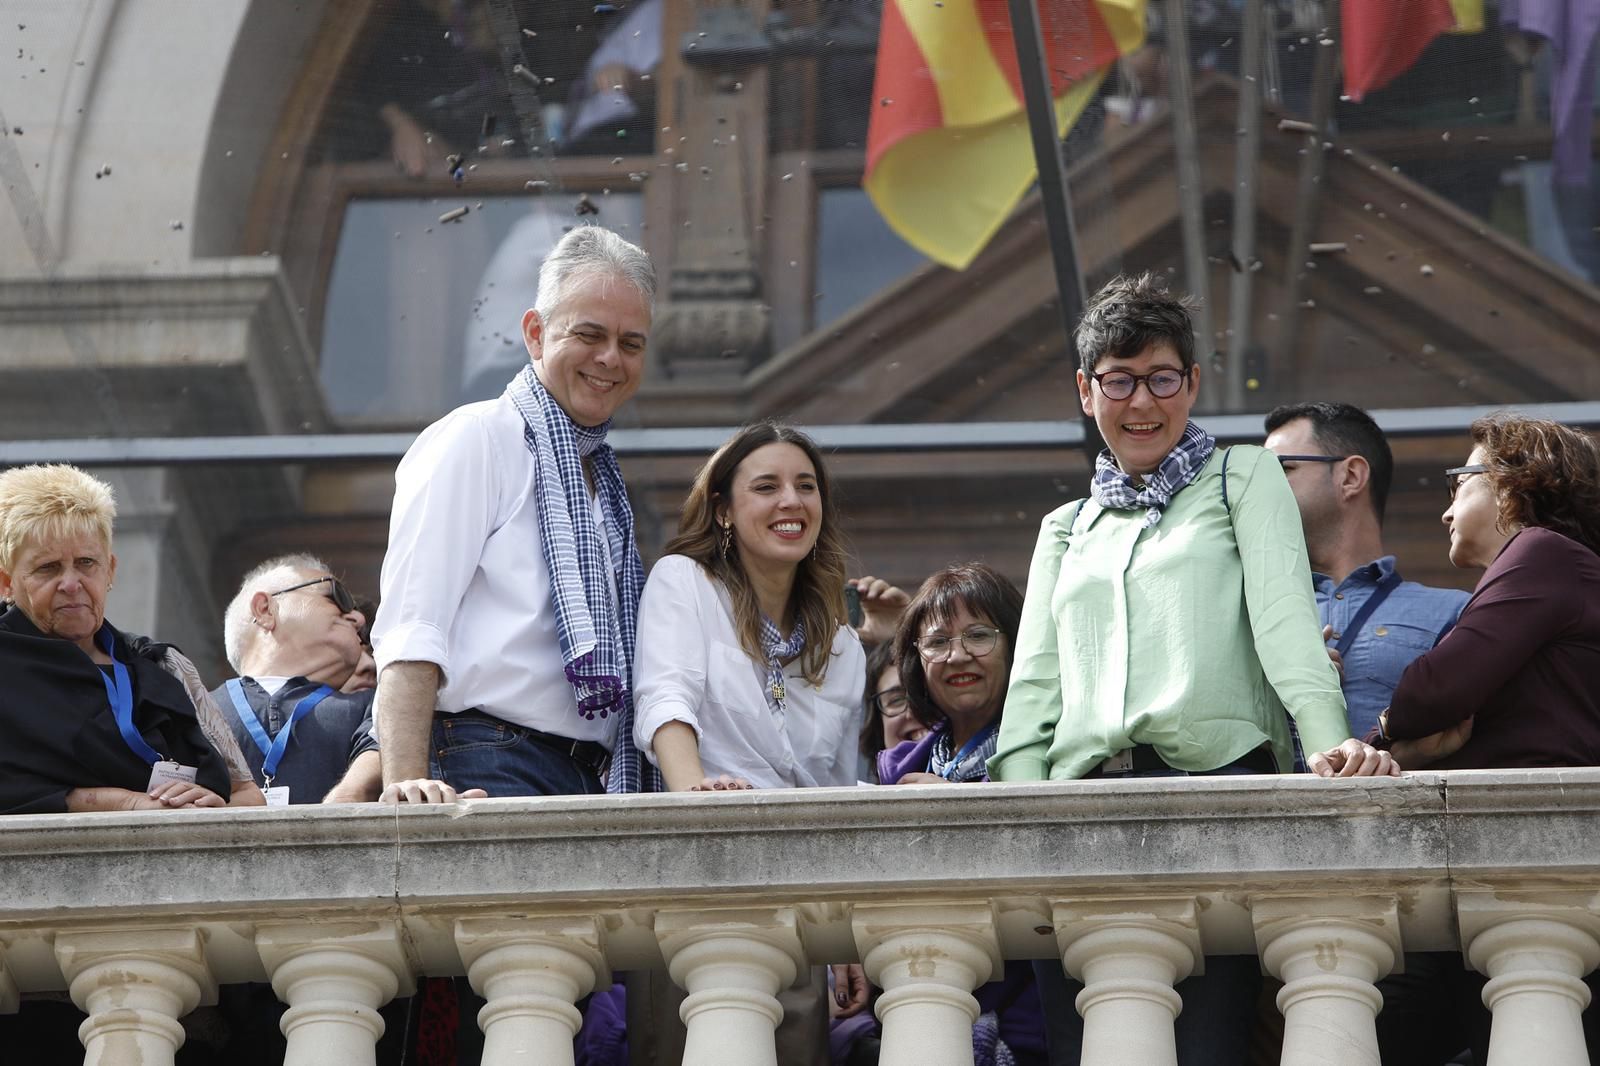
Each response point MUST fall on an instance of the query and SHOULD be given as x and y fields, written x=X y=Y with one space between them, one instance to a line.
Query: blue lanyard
x=272 y=747
x=120 y=694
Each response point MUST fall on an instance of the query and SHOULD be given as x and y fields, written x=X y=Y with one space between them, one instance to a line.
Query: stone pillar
x=1328 y=951
x=1535 y=952
x=334 y=977
x=10 y=999
x=927 y=959
x=134 y=984
x=1129 y=954
x=732 y=963
x=532 y=971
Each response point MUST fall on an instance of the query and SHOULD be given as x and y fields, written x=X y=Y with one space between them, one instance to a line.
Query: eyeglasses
x=1285 y=460
x=891 y=702
x=339 y=594
x=978 y=641
x=1456 y=474
x=1119 y=384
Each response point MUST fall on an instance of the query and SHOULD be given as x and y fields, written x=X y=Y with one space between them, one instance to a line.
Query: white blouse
x=690 y=668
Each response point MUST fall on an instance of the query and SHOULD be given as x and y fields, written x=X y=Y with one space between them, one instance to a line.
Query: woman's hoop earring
x=727 y=539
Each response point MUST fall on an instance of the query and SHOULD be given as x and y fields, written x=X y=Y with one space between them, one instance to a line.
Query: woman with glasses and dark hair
x=953 y=651
x=93 y=718
x=889 y=720
x=1170 y=622
x=1517 y=681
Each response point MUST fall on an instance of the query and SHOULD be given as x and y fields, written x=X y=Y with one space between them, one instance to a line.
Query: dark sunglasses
x=339 y=595
x=1285 y=460
x=1456 y=474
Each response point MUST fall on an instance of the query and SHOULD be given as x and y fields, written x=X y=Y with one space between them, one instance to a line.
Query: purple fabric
x=908 y=756
x=603 y=1040
x=1571 y=27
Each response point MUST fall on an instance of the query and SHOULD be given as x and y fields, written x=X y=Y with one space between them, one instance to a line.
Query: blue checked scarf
x=1113 y=489
x=778 y=651
x=597 y=635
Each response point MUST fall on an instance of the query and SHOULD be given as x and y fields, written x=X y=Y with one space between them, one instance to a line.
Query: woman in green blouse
x=1168 y=624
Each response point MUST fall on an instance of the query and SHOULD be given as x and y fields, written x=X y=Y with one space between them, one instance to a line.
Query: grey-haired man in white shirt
x=509 y=594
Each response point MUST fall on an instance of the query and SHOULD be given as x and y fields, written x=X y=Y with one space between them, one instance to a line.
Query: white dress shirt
x=692 y=669
x=464 y=583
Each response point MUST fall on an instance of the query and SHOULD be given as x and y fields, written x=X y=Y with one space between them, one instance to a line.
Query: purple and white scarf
x=1113 y=489
x=597 y=633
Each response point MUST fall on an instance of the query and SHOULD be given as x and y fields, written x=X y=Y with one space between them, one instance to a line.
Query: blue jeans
x=1219 y=1008
x=474 y=750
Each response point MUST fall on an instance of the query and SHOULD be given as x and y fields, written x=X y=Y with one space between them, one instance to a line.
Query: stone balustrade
x=538 y=901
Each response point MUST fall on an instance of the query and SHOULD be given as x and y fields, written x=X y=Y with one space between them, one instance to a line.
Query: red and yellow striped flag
x=948 y=149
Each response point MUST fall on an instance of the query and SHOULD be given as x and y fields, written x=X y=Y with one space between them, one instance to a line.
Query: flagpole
x=1191 y=188
x=1053 y=192
x=1247 y=153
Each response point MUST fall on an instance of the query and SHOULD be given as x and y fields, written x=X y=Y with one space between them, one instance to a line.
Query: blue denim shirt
x=1406 y=624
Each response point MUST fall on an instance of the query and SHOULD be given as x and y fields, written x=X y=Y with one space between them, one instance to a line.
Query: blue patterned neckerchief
x=1113 y=489
x=597 y=633
x=968 y=764
x=779 y=651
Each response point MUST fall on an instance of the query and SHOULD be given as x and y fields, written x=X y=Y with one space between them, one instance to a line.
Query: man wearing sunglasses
x=1340 y=467
x=293 y=635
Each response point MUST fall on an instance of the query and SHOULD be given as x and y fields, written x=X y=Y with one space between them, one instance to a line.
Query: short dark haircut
x=1345 y=429
x=1128 y=315
x=879 y=659
x=1544 y=474
x=984 y=591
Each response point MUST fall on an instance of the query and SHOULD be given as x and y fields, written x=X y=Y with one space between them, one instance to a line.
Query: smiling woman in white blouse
x=749 y=675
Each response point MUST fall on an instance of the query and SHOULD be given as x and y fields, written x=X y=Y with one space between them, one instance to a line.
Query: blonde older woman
x=90 y=723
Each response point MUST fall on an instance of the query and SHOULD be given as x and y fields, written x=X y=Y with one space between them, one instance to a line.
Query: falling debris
x=455 y=214
x=1425 y=270
x=103 y=172
x=528 y=33
x=586 y=206
x=1327 y=247
x=452 y=163
x=526 y=75
x=1294 y=125
x=176 y=223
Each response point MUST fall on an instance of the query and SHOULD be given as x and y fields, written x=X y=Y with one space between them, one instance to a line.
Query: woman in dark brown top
x=1517 y=681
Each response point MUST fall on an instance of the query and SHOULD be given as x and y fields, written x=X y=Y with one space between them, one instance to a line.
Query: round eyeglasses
x=977 y=641
x=1119 y=384
x=891 y=702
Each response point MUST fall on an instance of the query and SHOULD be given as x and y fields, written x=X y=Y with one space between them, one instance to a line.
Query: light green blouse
x=1192 y=635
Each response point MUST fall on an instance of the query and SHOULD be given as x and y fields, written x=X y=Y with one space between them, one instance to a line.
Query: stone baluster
x=927 y=959
x=1535 y=951
x=1329 y=952
x=9 y=997
x=334 y=976
x=1129 y=953
x=532 y=972
x=732 y=963
x=134 y=984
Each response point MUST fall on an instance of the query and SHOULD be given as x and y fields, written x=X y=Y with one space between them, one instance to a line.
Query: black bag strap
x=1227 y=453
x=1379 y=594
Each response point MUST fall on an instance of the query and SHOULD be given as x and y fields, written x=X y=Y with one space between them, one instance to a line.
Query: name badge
x=277 y=796
x=166 y=771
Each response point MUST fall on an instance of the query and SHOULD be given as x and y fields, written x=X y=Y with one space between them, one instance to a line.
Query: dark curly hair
x=984 y=591
x=1544 y=474
x=1128 y=315
x=879 y=659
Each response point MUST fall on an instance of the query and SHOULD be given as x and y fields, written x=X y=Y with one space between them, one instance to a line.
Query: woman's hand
x=1430 y=749
x=882 y=604
x=850 y=991
x=721 y=783
x=1353 y=758
x=917 y=777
